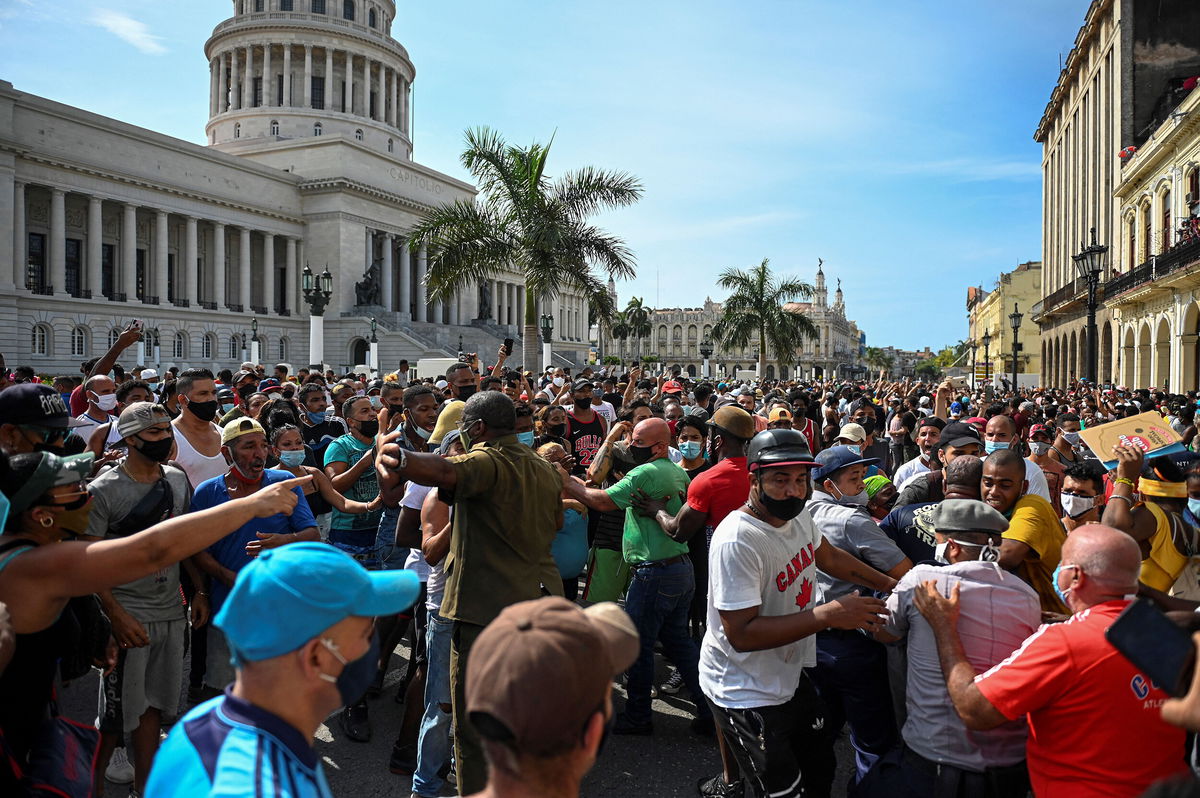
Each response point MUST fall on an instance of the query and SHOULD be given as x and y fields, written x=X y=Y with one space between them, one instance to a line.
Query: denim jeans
x=433 y=744
x=391 y=556
x=658 y=601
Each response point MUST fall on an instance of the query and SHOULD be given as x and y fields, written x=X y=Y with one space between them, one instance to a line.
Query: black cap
x=581 y=385
x=958 y=433
x=778 y=447
x=34 y=403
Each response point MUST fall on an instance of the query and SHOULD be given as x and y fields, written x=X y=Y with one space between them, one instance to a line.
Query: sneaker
x=355 y=723
x=622 y=725
x=120 y=769
x=403 y=761
x=673 y=684
x=717 y=787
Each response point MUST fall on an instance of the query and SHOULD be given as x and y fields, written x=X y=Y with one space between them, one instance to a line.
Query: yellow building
x=989 y=312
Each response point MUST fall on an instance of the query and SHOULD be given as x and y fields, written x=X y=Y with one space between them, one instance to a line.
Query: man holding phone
x=1094 y=724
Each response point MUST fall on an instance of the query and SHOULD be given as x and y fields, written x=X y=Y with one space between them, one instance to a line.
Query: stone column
x=404 y=111
x=222 y=85
x=348 y=93
x=161 y=273
x=244 y=270
x=16 y=275
x=521 y=310
x=289 y=275
x=248 y=100
x=95 y=247
x=267 y=78
x=191 y=269
x=455 y=303
x=129 y=251
x=58 y=241
x=422 y=293
x=287 y=76
x=212 y=87
x=405 y=281
x=389 y=286
x=498 y=301
x=269 y=272
x=367 y=88
x=235 y=81
x=308 y=76
x=395 y=99
x=218 y=270
x=328 y=79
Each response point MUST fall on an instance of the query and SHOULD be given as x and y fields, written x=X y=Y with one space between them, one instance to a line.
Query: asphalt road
x=666 y=765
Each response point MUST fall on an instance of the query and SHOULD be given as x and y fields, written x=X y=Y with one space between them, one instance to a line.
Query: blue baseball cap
x=290 y=594
x=956 y=408
x=836 y=458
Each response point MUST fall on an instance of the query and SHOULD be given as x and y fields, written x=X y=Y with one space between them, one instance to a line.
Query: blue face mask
x=1062 y=594
x=1194 y=507
x=689 y=449
x=154 y=387
x=292 y=459
x=3 y=510
x=226 y=407
x=994 y=446
x=315 y=418
x=525 y=438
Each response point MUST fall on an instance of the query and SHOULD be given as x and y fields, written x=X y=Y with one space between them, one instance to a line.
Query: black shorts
x=781 y=750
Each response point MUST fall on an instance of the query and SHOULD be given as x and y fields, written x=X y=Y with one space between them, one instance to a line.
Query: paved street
x=667 y=765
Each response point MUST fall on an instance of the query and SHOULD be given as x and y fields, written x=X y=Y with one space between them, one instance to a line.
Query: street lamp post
x=1014 y=321
x=987 y=363
x=1089 y=263
x=374 y=365
x=974 y=372
x=757 y=364
x=254 y=340
x=547 y=321
x=318 y=288
x=706 y=350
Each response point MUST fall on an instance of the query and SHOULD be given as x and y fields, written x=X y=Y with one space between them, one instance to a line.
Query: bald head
x=1108 y=556
x=650 y=432
x=999 y=428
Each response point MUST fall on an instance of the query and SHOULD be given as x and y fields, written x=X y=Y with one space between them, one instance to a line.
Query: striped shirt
x=230 y=747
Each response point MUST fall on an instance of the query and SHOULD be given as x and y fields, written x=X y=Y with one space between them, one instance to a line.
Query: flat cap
x=968 y=515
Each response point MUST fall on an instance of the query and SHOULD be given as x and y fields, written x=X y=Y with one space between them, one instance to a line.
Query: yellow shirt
x=1035 y=524
x=1165 y=562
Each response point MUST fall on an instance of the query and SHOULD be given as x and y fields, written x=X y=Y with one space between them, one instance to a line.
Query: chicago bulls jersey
x=753 y=564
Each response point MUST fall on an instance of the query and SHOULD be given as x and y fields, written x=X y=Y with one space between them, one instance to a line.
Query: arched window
x=391 y=146
x=285 y=5
x=348 y=9
x=40 y=340
x=283 y=350
x=258 y=5
x=113 y=335
x=179 y=348
x=317 y=129
x=1193 y=187
x=237 y=130
x=235 y=348
x=371 y=17
x=358 y=135
x=318 y=6
x=1165 y=214
x=79 y=342
x=1147 y=232
x=1131 y=252
x=274 y=127
x=207 y=344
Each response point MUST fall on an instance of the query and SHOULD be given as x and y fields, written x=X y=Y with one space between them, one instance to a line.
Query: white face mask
x=108 y=402
x=1071 y=438
x=990 y=553
x=1039 y=448
x=1075 y=506
x=558 y=382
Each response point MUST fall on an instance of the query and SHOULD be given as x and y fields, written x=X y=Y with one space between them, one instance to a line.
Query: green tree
x=754 y=312
x=525 y=220
x=637 y=316
x=619 y=329
x=878 y=360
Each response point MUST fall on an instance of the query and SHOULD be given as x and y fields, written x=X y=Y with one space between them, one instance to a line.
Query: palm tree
x=525 y=220
x=637 y=316
x=754 y=312
x=878 y=360
x=619 y=329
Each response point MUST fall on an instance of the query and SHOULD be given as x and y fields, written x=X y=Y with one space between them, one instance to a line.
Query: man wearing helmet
x=763 y=614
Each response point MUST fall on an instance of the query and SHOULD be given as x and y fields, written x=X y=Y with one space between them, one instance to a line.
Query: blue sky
x=894 y=140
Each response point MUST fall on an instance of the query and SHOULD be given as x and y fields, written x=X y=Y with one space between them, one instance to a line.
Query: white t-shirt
x=90 y=425
x=753 y=564
x=909 y=470
x=606 y=410
x=431 y=575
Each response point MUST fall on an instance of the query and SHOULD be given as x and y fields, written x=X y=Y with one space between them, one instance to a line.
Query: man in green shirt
x=660 y=593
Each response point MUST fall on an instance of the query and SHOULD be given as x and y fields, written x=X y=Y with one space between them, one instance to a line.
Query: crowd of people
x=927 y=569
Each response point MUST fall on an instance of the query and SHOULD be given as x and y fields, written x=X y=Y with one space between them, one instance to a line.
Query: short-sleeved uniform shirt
x=997 y=611
x=114 y=496
x=356 y=529
x=230 y=747
x=230 y=551
x=506 y=504
x=643 y=540
x=1094 y=722
x=853 y=531
x=720 y=490
x=753 y=564
x=1034 y=523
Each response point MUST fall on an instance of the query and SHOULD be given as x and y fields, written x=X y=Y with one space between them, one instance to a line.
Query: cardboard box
x=1149 y=431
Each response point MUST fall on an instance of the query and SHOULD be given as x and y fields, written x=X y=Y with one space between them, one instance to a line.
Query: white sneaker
x=120 y=769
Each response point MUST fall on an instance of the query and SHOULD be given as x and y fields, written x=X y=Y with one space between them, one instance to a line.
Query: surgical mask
x=1075 y=506
x=783 y=509
x=368 y=429
x=153 y=386
x=226 y=407
x=158 y=451
x=205 y=411
x=376 y=402
x=315 y=418
x=465 y=437
x=641 y=454
x=990 y=553
x=690 y=449
x=994 y=446
x=1193 y=508
x=292 y=459
x=1062 y=594
x=424 y=434
x=1040 y=448
x=1071 y=438
x=855 y=449
x=859 y=499
x=525 y=438
x=939 y=552
x=558 y=382
x=108 y=402
x=356 y=676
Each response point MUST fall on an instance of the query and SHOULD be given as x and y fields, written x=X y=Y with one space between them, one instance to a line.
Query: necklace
x=124 y=466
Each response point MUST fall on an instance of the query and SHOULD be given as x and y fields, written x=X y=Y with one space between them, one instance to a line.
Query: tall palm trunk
x=530 y=354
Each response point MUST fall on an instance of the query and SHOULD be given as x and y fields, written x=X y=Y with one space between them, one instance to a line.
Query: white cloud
x=129 y=30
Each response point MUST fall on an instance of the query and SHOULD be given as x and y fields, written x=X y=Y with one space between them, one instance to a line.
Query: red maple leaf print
x=805 y=594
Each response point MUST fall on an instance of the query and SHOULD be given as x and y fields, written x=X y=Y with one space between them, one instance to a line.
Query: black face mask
x=466 y=391
x=641 y=454
x=368 y=429
x=245 y=392
x=783 y=509
x=583 y=402
x=158 y=451
x=868 y=425
x=205 y=411
x=557 y=430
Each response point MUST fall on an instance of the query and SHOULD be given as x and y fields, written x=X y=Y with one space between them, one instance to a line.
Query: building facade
x=989 y=312
x=308 y=163
x=676 y=335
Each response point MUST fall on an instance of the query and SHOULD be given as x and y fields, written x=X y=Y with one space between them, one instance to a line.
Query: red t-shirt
x=1094 y=724
x=79 y=402
x=720 y=490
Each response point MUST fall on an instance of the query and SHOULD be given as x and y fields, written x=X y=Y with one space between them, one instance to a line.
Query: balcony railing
x=1064 y=294
x=208 y=305
x=1178 y=257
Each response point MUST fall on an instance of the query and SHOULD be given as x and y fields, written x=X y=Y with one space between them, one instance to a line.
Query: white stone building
x=308 y=163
